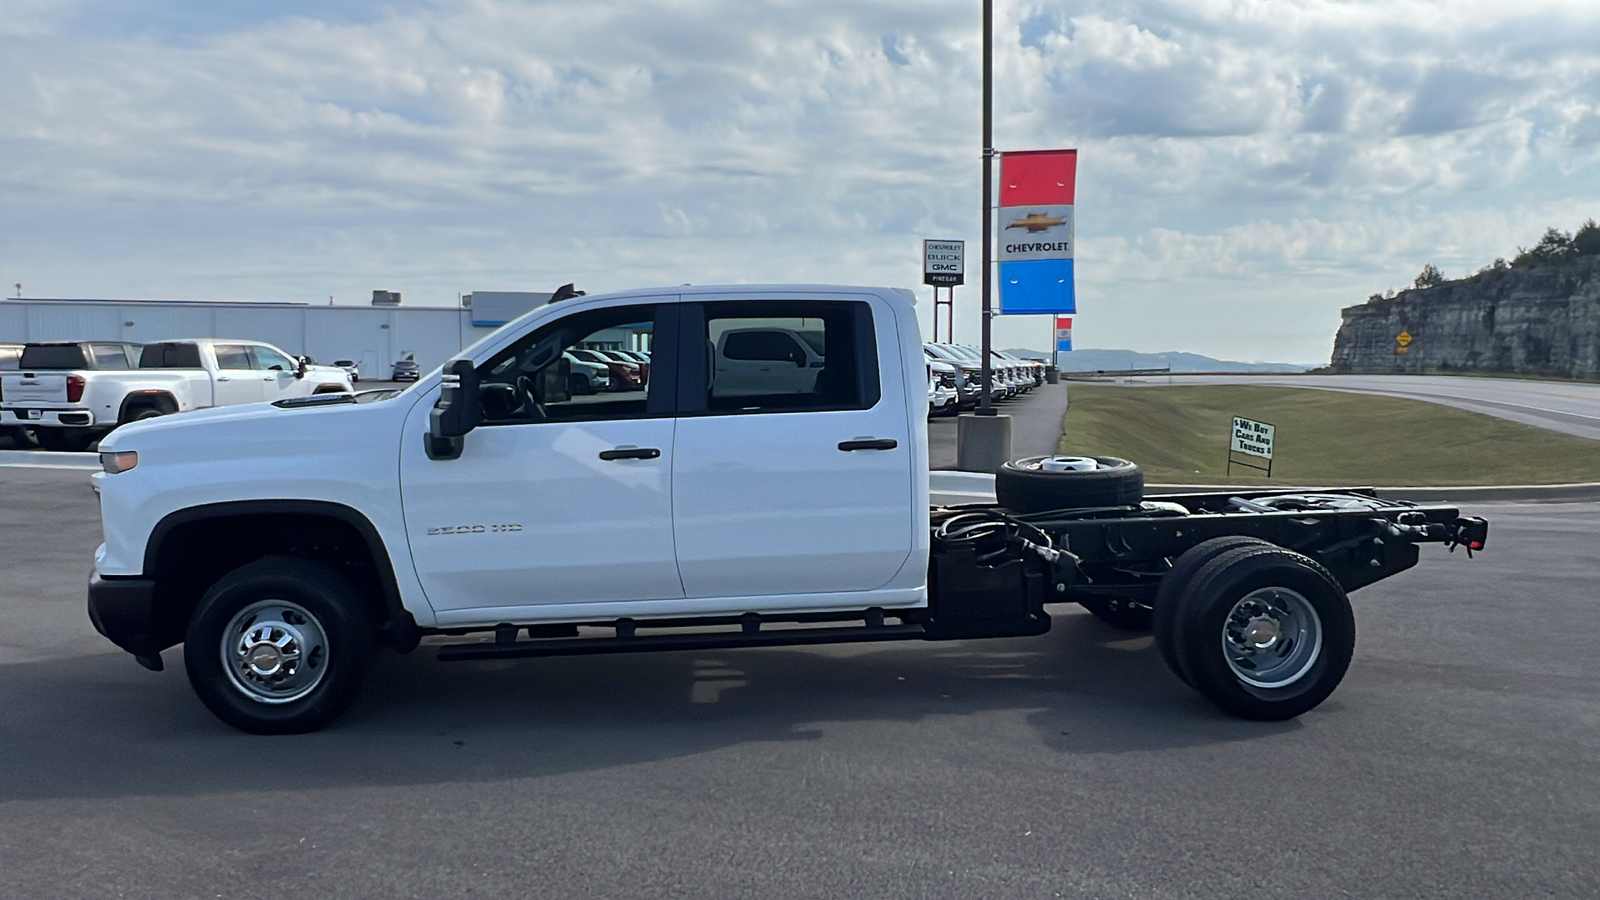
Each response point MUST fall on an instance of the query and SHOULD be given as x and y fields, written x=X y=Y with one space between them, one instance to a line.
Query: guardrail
x=1115 y=373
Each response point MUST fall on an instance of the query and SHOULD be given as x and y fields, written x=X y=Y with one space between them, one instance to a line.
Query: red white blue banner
x=1063 y=333
x=1035 y=246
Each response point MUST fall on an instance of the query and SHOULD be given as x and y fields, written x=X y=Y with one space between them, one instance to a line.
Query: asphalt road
x=1567 y=407
x=1457 y=760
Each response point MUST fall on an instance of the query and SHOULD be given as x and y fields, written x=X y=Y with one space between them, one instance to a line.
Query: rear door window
x=170 y=356
x=232 y=356
x=766 y=356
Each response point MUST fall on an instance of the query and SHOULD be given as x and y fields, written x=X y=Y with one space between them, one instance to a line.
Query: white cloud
x=1246 y=168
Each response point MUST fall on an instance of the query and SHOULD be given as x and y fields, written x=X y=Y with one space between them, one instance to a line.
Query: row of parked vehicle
x=402 y=370
x=594 y=371
x=955 y=372
x=66 y=396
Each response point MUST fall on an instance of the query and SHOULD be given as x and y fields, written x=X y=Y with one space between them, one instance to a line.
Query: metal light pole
x=985 y=405
x=983 y=439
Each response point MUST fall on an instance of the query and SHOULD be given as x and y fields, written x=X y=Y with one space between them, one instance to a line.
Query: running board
x=635 y=643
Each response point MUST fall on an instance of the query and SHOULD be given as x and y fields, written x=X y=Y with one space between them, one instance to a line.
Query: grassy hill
x=1179 y=435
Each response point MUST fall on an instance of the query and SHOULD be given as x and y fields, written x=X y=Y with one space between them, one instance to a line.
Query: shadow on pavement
x=98 y=726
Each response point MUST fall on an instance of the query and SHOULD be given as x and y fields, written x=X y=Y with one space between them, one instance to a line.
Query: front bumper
x=123 y=610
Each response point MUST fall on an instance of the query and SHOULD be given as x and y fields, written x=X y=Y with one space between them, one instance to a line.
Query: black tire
x=145 y=414
x=1123 y=615
x=1172 y=586
x=336 y=608
x=22 y=438
x=1312 y=635
x=64 y=440
x=1021 y=486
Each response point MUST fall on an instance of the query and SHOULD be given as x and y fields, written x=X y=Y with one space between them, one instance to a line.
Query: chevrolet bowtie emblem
x=1037 y=222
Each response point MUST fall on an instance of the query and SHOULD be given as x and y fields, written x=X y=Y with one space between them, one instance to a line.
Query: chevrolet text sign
x=943 y=264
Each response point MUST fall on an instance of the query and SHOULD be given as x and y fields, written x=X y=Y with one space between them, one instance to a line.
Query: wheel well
x=331 y=389
x=139 y=401
x=194 y=553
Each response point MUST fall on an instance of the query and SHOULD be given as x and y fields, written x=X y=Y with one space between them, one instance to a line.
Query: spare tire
x=1042 y=483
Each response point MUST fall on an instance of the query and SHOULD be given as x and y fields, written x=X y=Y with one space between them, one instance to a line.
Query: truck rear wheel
x=278 y=646
x=1263 y=632
x=1172 y=586
x=1043 y=483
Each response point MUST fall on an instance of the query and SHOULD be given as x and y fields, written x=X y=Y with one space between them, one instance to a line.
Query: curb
x=48 y=459
x=1549 y=493
x=968 y=485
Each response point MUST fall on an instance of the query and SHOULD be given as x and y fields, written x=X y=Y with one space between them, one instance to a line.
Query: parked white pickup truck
x=281 y=544
x=70 y=409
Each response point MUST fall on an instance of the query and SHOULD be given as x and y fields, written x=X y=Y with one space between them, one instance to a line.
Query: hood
x=255 y=429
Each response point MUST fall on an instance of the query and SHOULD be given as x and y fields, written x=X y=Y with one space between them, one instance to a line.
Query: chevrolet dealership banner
x=1063 y=334
x=1035 y=231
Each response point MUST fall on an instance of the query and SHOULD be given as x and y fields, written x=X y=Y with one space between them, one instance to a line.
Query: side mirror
x=300 y=369
x=456 y=412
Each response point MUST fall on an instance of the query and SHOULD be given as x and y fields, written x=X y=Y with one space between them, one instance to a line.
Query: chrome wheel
x=274 y=651
x=1271 y=637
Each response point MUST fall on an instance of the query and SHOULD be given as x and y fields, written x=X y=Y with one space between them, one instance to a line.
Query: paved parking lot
x=1457 y=760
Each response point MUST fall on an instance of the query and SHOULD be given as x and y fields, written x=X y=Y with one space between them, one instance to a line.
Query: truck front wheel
x=1263 y=632
x=278 y=646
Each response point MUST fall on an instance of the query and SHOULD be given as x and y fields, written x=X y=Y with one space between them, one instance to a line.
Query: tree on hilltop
x=1554 y=247
x=1586 y=242
x=1430 y=277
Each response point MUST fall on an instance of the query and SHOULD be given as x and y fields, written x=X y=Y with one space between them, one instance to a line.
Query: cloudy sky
x=1246 y=168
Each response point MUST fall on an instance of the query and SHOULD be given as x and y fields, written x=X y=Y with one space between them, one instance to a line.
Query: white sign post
x=944 y=266
x=1253 y=439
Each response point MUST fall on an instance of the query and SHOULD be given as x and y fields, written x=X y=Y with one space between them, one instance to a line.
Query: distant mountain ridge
x=1108 y=360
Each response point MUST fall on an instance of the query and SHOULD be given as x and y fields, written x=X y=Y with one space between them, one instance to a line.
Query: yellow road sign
x=1403 y=338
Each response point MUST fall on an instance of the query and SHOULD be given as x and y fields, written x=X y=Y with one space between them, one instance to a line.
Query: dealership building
x=374 y=336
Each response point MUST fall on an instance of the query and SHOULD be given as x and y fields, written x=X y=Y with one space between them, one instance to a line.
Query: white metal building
x=374 y=336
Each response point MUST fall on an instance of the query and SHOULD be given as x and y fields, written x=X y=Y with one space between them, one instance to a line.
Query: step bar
x=629 y=641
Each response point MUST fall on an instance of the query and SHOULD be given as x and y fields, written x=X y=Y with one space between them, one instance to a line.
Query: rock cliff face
x=1536 y=321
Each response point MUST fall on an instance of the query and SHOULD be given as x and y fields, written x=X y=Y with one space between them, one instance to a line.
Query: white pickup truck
x=68 y=409
x=498 y=514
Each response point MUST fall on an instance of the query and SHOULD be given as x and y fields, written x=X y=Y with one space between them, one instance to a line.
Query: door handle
x=223 y=378
x=869 y=444
x=630 y=453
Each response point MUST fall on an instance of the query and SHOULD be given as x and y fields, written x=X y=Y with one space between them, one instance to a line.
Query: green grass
x=1179 y=435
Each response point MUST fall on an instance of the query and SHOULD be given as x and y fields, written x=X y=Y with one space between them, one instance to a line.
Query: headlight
x=118 y=461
